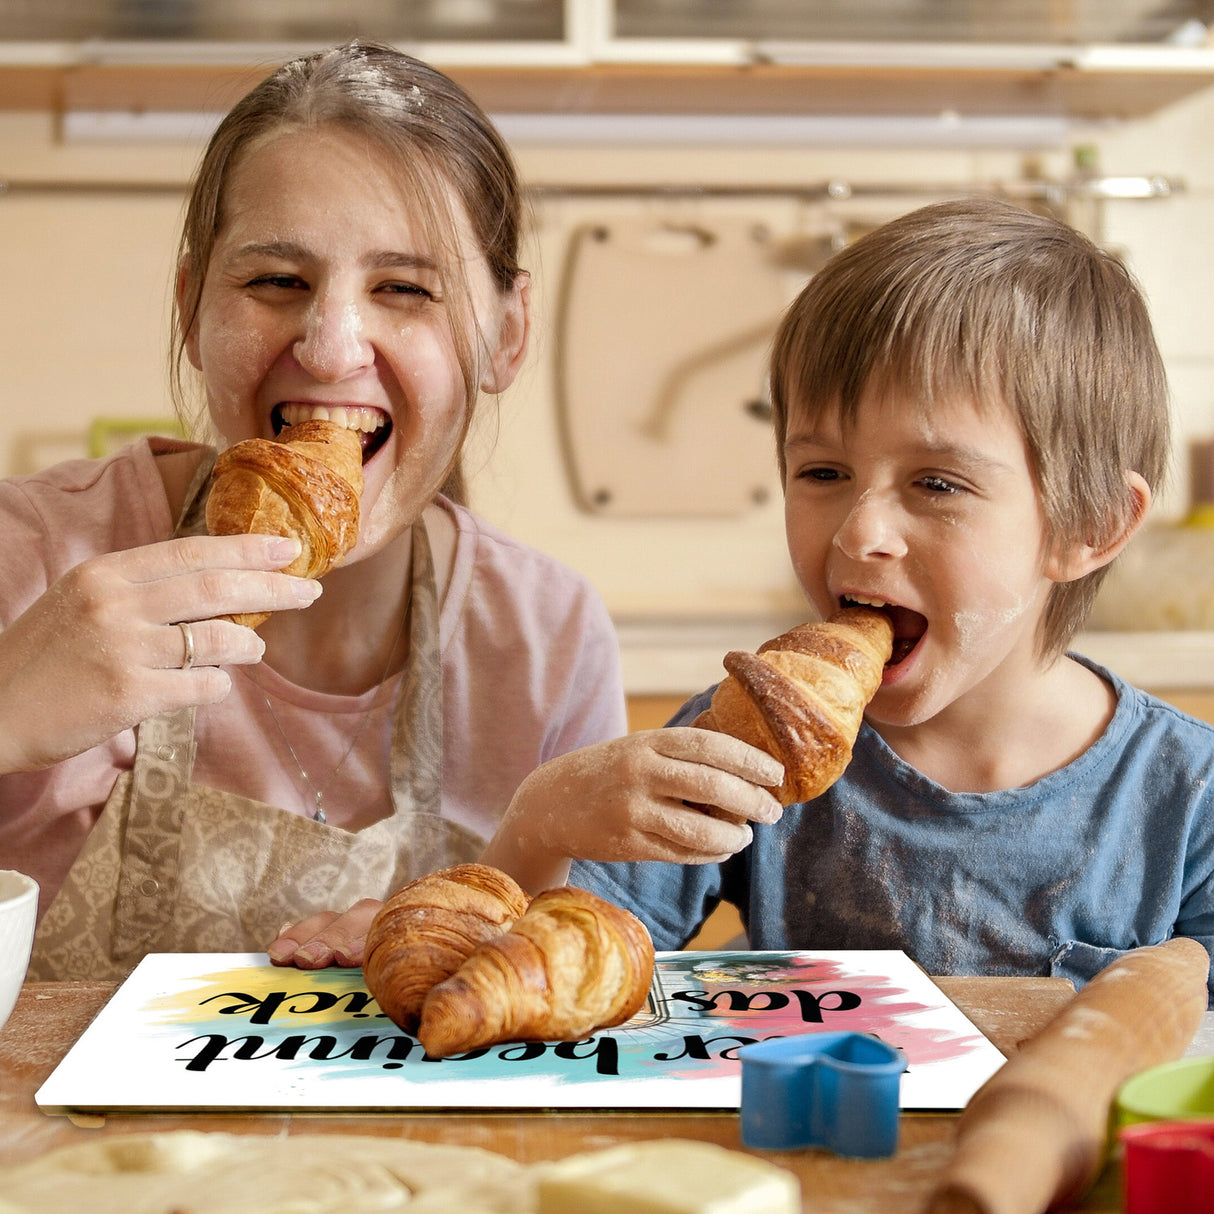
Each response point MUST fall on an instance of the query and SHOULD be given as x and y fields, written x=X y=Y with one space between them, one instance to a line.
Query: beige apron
x=171 y=866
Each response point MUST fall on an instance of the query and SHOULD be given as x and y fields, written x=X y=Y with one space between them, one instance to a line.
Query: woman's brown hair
x=442 y=140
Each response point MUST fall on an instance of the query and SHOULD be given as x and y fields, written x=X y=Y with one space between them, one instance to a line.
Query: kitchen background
x=691 y=162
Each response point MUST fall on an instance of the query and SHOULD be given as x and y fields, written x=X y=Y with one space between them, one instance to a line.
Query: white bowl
x=18 y=910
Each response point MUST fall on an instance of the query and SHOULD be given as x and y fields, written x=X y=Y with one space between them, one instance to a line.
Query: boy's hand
x=683 y=795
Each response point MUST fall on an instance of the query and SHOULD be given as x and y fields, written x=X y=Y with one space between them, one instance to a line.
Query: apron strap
x=417 y=729
x=151 y=845
x=150 y=856
x=193 y=519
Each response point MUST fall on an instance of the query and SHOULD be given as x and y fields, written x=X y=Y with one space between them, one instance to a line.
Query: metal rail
x=1032 y=189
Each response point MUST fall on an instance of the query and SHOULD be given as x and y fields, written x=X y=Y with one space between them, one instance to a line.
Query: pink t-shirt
x=529 y=656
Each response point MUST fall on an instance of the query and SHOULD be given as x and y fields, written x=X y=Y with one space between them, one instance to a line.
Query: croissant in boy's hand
x=463 y=961
x=308 y=485
x=802 y=697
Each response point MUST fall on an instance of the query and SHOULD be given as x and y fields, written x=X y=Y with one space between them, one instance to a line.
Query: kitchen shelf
x=850 y=88
x=1081 y=87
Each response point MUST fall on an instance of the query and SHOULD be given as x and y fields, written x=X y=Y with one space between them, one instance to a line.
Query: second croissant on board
x=308 y=485
x=572 y=964
x=801 y=698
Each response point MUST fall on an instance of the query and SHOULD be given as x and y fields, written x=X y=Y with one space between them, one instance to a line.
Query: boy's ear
x=514 y=329
x=1072 y=561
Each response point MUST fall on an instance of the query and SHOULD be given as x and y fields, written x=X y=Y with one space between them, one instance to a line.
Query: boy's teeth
x=863 y=601
x=355 y=417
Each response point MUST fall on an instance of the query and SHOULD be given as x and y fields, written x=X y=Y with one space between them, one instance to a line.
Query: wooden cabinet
x=1197 y=703
x=1083 y=62
x=1092 y=92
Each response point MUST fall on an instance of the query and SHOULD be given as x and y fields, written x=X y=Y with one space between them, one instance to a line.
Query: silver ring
x=187 y=635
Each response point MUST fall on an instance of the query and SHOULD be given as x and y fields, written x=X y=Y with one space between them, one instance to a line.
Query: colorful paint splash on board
x=781 y=994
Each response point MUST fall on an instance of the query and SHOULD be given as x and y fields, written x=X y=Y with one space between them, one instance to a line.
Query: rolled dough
x=192 y=1172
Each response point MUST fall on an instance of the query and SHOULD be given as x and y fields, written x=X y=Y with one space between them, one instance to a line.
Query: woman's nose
x=870 y=529
x=333 y=343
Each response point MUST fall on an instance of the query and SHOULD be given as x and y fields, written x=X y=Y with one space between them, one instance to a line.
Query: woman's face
x=323 y=298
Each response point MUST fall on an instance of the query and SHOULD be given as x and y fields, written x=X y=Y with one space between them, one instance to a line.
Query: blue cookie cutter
x=833 y=1090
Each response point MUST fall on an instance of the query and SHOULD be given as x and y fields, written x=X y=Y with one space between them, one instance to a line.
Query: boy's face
x=934 y=512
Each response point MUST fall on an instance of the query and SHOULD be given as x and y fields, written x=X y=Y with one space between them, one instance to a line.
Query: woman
x=176 y=781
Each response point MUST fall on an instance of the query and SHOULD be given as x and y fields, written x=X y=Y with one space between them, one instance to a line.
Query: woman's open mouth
x=909 y=626
x=373 y=425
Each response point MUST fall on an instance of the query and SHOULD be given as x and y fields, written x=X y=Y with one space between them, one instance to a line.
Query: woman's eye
x=282 y=281
x=411 y=289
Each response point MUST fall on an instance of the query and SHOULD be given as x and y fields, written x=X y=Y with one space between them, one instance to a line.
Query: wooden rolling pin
x=1034 y=1136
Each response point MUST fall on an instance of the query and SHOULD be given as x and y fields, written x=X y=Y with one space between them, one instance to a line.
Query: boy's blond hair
x=980 y=300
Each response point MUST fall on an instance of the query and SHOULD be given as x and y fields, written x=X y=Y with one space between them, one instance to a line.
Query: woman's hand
x=684 y=795
x=327 y=938
x=102 y=649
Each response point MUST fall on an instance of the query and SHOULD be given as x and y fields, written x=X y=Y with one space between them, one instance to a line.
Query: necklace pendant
x=318 y=814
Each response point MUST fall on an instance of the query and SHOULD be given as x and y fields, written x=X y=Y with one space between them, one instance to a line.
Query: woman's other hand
x=327 y=938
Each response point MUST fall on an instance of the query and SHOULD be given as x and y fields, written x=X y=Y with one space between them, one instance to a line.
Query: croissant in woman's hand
x=802 y=697
x=308 y=485
x=572 y=964
x=427 y=929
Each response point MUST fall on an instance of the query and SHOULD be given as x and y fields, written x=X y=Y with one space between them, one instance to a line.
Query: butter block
x=666 y=1176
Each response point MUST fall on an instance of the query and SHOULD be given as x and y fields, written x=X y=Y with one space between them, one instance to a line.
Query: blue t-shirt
x=1059 y=878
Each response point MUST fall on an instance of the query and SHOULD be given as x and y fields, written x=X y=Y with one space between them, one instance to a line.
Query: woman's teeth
x=349 y=417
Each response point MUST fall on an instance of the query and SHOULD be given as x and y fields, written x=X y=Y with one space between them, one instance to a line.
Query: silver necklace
x=318 y=793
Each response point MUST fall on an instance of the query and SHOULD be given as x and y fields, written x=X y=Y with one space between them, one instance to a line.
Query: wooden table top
x=49 y=1017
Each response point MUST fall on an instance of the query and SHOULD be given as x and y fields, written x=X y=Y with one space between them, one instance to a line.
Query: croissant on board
x=308 y=484
x=425 y=931
x=801 y=698
x=572 y=964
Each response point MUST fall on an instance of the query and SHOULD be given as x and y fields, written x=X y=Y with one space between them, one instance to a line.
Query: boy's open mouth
x=909 y=626
x=373 y=425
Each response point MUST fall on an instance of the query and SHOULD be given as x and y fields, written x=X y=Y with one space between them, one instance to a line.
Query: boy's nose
x=870 y=529
x=333 y=343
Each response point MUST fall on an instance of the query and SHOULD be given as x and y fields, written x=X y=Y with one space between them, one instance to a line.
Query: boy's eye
x=819 y=474
x=938 y=484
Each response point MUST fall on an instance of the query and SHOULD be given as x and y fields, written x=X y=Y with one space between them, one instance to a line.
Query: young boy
x=971 y=418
